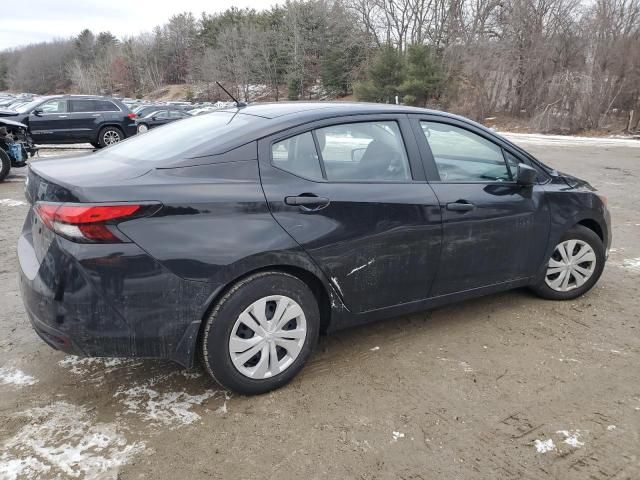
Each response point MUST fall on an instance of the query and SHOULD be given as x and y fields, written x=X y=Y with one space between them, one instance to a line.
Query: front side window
x=162 y=114
x=297 y=155
x=175 y=114
x=462 y=156
x=54 y=106
x=365 y=151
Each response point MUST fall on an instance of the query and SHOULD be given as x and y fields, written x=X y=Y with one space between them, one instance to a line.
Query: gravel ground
x=504 y=387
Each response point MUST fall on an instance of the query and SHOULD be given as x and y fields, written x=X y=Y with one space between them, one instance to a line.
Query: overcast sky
x=31 y=21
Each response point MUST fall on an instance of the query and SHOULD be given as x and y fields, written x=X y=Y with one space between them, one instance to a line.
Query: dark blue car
x=242 y=234
x=61 y=119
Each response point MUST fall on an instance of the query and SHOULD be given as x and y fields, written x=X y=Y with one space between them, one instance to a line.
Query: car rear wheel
x=5 y=164
x=574 y=267
x=109 y=136
x=261 y=333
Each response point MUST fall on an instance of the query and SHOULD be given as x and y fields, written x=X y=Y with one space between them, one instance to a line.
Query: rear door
x=84 y=119
x=51 y=123
x=494 y=230
x=352 y=192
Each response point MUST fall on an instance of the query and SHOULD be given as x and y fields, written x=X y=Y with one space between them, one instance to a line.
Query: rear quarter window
x=193 y=137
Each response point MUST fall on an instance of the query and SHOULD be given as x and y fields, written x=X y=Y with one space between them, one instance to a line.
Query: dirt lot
x=507 y=386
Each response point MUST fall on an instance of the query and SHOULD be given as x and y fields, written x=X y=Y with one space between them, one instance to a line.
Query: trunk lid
x=66 y=179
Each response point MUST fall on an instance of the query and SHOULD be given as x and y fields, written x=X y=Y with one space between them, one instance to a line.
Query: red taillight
x=131 y=115
x=88 y=222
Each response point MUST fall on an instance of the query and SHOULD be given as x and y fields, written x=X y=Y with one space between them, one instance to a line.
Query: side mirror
x=526 y=175
x=154 y=118
x=37 y=112
x=357 y=154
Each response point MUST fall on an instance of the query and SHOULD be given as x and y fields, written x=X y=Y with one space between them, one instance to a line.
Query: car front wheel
x=142 y=128
x=260 y=333
x=574 y=267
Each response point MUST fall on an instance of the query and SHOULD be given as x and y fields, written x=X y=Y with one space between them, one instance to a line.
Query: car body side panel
x=570 y=206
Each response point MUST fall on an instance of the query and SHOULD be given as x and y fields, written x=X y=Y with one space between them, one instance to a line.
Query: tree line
x=559 y=64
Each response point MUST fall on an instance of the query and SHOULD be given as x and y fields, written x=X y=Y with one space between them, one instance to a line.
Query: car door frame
x=418 y=177
x=433 y=177
x=47 y=120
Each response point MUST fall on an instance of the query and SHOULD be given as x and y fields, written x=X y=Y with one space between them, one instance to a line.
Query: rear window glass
x=192 y=137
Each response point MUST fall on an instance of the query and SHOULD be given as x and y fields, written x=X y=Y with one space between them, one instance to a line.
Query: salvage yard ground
x=503 y=387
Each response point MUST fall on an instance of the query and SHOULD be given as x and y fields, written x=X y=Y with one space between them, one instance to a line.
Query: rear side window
x=193 y=137
x=106 y=106
x=365 y=151
x=463 y=156
x=297 y=155
x=78 y=106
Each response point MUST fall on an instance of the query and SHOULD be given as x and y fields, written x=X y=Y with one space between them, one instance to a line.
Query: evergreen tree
x=384 y=77
x=422 y=76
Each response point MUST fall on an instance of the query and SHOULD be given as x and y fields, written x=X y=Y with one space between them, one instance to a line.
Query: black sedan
x=244 y=233
x=159 y=117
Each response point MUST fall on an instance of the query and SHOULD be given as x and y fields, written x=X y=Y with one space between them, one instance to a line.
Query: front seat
x=377 y=160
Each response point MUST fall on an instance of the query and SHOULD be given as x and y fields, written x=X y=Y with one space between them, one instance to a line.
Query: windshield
x=25 y=107
x=189 y=138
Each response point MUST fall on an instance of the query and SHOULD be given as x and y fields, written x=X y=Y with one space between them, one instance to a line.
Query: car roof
x=79 y=97
x=325 y=109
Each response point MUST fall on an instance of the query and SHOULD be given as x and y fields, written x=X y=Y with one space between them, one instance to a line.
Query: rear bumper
x=130 y=129
x=109 y=301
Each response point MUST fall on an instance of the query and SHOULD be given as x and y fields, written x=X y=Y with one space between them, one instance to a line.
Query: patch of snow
x=632 y=263
x=61 y=439
x=569 y=360
x=396 y=436
x=544 y=446
x=166 y=408
x=361 y=267
x=13 y=376
x=568 y=140
x=571 y=438
x=375 y=349
x=94 y=369
x=9 y=202
x=611 y=427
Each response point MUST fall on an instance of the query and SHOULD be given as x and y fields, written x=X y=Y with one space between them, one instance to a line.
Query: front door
x=494 y=230
x=51 y=123
x=354 y=196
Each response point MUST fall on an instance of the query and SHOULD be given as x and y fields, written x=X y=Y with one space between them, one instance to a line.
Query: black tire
x=218 y=328
x=105 y=135
x=588 y=236
x=95 y=144
x=5 y=164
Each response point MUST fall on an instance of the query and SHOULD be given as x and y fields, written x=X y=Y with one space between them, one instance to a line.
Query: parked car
x=16 y=146
x=243 y=233
x=101 y=121
x=159 y=117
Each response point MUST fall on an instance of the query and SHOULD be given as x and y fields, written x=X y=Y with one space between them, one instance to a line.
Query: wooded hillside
x=562 y=65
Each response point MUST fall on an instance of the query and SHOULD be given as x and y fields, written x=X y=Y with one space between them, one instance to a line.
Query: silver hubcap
x=111 y=137
x=571 y=265
x=267 y=337
x=142 y=128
